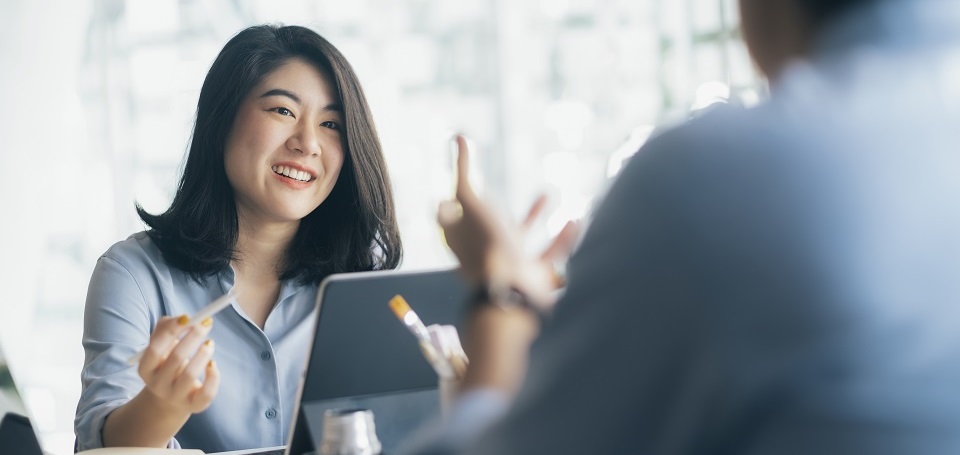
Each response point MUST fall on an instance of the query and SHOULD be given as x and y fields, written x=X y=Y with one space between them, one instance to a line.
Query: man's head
x=777 y=31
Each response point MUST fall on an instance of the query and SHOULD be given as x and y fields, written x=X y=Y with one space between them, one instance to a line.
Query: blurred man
x=780 y=280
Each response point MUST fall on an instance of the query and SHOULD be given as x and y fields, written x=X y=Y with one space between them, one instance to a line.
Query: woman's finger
x=201 y=398
x=188 y=380
x=181 y=354
x=165 y=336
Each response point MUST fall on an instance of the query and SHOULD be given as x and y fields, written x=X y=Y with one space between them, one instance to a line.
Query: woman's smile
x=294 y=175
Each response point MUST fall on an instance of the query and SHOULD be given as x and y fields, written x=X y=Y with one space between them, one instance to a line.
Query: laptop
x=363 y=357
x=16 y=433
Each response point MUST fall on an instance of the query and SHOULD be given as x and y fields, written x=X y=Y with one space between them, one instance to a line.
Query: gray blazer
x=779 y=280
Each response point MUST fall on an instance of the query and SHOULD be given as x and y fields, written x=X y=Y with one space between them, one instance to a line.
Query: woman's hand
x=172 y=366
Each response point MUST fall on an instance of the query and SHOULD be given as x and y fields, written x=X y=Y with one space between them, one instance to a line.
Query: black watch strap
x=486 y=295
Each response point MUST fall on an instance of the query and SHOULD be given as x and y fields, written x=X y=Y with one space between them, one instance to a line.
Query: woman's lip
x=294 y=174
x=300 y=167
x=293 y=183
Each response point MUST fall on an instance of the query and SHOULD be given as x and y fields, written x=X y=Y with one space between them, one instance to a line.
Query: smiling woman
x=284 y=184
x=284 y=153
x=199 y=230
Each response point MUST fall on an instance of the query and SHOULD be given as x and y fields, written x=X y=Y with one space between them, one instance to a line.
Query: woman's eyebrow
x=282 y=92
x=335 y=107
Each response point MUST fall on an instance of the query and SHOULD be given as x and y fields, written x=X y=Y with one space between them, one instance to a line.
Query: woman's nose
x=306 y=141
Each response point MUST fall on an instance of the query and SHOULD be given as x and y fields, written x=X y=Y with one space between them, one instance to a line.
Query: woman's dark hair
x=354 y=229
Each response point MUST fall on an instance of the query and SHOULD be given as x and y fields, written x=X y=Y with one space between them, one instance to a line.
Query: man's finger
x=463 y=169
x=563 y=243
x=534 y=212
x=459 y=364
x=449 y=213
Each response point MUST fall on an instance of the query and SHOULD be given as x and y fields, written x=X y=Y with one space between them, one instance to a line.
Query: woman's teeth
x=293 y=173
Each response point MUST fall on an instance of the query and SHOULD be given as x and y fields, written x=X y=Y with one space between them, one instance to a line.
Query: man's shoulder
x=725 y=142
x=727 y=129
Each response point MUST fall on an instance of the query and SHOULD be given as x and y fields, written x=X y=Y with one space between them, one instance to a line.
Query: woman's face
x=285 y=150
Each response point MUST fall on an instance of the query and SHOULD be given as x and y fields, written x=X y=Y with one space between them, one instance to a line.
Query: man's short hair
x=823 y=11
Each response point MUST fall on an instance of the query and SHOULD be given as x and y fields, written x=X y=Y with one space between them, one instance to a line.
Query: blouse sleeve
x=117 y=323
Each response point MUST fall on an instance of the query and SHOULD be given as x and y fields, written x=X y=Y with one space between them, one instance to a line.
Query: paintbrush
x=405 y=314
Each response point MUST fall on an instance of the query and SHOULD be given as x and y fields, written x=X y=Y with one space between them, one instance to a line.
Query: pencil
x=204 y=313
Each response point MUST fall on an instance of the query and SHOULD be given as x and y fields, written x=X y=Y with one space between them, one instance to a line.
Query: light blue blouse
x=131 y=289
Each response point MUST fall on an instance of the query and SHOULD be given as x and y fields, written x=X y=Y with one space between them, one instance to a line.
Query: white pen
x=206 y=312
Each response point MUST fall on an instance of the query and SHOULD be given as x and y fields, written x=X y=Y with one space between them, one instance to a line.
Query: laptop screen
x=362 y=356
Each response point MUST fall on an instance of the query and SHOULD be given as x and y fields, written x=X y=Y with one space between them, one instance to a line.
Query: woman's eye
x=283 y=111
x=331 y=124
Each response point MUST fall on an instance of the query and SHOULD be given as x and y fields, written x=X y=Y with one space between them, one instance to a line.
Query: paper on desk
x=140 y=451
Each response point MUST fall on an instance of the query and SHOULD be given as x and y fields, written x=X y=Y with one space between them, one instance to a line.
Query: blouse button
x=271 y=413
x=265 y=355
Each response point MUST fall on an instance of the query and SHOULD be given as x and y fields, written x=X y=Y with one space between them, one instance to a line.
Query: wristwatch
x=487 y=294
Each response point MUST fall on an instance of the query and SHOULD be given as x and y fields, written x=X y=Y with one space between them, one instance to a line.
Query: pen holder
x=349 y=432
x=448 y=388
x=451 y=365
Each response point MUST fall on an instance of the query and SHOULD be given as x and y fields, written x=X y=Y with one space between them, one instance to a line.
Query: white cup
x=349 y=432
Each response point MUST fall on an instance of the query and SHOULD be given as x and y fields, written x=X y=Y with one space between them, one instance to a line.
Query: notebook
x=363 y=357
x=16 y=433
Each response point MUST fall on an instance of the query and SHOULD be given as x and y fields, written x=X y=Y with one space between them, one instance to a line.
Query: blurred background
x=97 y=100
